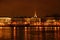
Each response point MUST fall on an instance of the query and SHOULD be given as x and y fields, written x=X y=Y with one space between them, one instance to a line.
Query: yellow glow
x=0 y=32
x=2 y=24
x=36 y=28
x=25 y=28
x=35 y=23
x=25 y=33
x=58 y=28
x=14 y=23
x=55 y=28
x=25 y=22
x=5 y=20
x=14 y=33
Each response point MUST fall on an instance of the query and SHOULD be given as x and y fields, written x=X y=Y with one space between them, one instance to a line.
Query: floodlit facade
x=33 y=20
x=5 y=20
x=33 y=31
x=29 y=28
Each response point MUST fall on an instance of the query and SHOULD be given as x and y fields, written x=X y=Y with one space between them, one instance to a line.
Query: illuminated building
x=33 y=20
x=5 y=20
x=34 y=30
x=5 y=31
x=50 y=21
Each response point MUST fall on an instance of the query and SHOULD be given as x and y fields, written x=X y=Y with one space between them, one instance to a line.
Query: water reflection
x=30 y=33
x=14 y=33
x=5 y=33
x=42 y=33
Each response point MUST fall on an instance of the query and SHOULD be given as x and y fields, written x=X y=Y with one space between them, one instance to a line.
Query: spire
x=35 y=15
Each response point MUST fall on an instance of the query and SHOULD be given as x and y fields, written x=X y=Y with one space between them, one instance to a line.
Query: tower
x=35 y=15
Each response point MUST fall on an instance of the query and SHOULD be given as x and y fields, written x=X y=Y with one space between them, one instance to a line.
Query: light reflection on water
x=30 y=33
x=38 y=33
x=5 y=32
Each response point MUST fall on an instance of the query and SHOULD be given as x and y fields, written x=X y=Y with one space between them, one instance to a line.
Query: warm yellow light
x=25 y=22
x=14 y=23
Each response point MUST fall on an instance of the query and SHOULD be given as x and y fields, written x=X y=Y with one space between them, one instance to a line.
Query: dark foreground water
x=30 y=33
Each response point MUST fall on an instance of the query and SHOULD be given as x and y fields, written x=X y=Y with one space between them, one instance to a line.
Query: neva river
x=29 y=33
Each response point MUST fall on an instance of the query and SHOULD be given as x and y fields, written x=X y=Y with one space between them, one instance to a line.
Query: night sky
x=28 y=7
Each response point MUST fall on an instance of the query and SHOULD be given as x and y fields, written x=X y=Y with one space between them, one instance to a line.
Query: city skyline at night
x=29 y=19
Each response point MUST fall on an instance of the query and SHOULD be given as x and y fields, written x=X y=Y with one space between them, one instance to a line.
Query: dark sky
x=28 y=7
